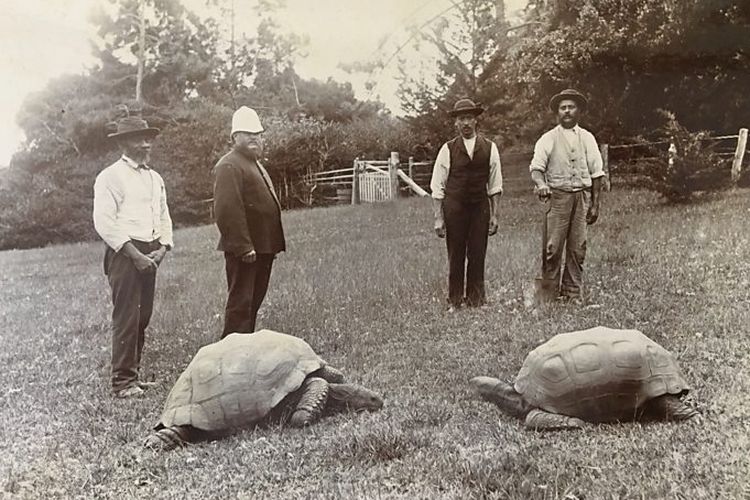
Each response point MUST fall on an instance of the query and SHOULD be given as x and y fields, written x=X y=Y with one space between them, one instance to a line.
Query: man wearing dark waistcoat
x=466 y=186
x=567 y=170
x=248 y=215
x=132 y=217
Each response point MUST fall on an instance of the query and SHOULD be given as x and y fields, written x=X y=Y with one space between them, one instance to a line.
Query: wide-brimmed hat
x=572 y=94
x=133 y=126
x=466 y=106
x=246 y=120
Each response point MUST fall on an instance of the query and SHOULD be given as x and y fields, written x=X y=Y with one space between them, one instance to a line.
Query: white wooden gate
x=374 y=186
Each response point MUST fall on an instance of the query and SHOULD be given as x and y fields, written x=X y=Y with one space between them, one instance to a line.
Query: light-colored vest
x=567 y=168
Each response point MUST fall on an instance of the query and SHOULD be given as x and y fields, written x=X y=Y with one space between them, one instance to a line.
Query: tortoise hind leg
x=311 y=402
x=669 y=407
x=169 y=438
x=540 y=420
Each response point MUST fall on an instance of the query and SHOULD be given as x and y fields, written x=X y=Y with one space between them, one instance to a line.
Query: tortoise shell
x=237 y=381
x=600 y=374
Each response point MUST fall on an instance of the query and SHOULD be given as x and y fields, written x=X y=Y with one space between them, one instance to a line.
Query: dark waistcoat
x=468 y=177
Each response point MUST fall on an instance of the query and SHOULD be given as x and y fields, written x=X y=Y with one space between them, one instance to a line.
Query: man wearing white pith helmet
x=248 y=215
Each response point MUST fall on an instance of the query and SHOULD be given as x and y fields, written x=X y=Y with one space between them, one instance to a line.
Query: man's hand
x=440 y=227
x=592 y=214
x=249 y=257
x=542 y=191
x=144 y=263
x=157 y=255
x=493 y=226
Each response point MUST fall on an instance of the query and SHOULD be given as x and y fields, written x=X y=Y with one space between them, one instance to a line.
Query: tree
x=634 y=57
x=469 y=47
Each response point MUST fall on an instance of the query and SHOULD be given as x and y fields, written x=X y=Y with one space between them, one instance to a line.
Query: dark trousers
x=466 y=232
x=247 y=284
x=133 y=302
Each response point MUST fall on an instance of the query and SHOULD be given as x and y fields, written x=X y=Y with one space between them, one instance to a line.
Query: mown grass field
x=365 y=285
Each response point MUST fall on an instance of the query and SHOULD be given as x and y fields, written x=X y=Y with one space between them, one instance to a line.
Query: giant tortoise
x=595 y=375
x=246 y=379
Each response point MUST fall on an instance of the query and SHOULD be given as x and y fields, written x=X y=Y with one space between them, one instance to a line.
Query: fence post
x=604 y=148
x=672 y=152
x=355 y=182
x=739 y=155
x=393 y=165
x=411 y=165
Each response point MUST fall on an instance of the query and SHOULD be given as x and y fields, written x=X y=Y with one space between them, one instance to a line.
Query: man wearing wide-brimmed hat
x=567 y=170
x=132 y=217
x=248 y=215
x=466 y=186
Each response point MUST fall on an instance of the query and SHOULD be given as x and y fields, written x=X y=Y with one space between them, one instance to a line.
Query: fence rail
x=367 y=178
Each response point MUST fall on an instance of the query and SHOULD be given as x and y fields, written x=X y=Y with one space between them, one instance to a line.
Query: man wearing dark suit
x=248 y=215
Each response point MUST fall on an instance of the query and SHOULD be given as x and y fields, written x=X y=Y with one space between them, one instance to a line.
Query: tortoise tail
x=311 y=403
x=168 y=438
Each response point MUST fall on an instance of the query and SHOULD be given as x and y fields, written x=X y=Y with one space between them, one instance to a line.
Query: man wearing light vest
x=567 y=171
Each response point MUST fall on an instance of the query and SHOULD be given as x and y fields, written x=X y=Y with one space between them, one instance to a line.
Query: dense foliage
x=632 y=58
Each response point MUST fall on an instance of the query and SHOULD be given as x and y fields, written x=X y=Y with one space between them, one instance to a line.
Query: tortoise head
x=353 y=397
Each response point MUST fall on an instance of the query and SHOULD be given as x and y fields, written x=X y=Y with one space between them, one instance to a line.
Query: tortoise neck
x=340 y=396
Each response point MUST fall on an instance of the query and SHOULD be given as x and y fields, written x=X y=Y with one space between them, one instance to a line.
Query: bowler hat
x=132 y=126
x=246 y=120
x=572 y=94
x=466 y=106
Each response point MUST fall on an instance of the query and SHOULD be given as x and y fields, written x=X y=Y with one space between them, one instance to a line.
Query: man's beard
x=252 y=152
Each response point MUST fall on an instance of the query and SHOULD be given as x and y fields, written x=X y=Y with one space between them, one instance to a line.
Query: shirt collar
x=575 y=128
x=132 y=164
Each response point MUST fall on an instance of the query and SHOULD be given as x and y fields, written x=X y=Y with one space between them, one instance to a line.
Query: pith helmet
x=246 y=120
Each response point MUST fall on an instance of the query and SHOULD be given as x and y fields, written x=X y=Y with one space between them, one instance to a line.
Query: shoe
x=453 y=307
x=576 y=300
x=145 y=385
x=132 y=391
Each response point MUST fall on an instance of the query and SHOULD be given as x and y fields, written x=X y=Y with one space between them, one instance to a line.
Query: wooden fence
x=735 y=150
x=373 y=180
x=379 y=180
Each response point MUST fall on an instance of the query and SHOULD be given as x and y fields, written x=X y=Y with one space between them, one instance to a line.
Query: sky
x=43 y=39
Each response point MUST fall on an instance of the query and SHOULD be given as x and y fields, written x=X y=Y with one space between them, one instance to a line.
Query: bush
x=48 y=199
x=185 y=153
x=295 y=148
x=695 y=167
x=36 y=210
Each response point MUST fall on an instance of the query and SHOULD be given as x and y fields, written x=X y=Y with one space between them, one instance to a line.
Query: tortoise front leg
x=669 y=407
x=169 y=438
x=540 y=420
x=330 y=374
x=311 y=403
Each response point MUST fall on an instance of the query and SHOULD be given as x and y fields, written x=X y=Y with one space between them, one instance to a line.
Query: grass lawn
x=365 y=287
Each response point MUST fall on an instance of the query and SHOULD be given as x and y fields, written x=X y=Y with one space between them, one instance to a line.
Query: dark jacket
x=246 y=209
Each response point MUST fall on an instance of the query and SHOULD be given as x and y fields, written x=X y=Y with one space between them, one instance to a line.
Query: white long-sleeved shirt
x=443 y=164
x=130 y=203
